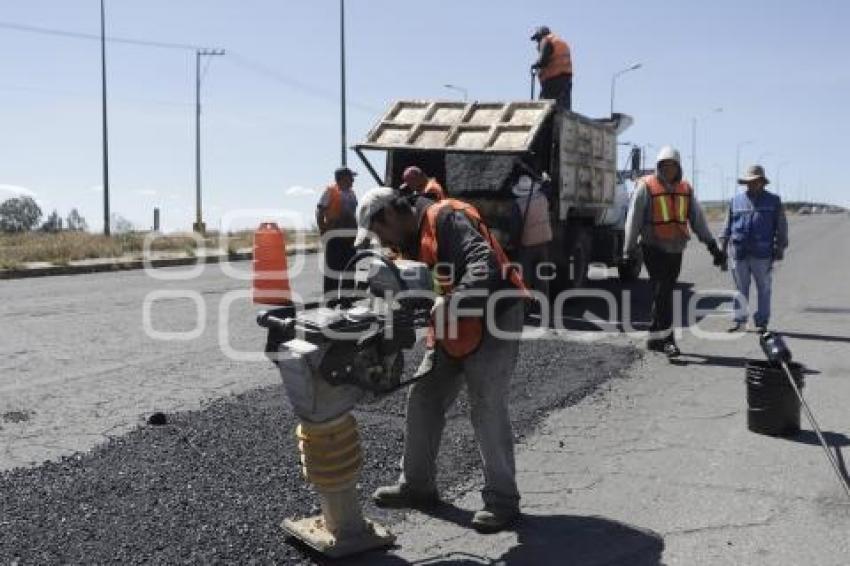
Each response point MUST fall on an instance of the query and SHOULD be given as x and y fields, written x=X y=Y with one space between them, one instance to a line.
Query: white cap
x=523 y=186
x=372 y=202
x=668 y=153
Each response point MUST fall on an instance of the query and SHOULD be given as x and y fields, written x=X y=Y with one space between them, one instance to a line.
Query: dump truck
x=477 y=149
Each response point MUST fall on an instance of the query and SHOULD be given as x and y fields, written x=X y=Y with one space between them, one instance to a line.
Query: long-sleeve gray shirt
x=464 y=252
x=639 y=224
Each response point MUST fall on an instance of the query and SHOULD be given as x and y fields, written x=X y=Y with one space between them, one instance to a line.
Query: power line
x=81 y=35
x=260 y=69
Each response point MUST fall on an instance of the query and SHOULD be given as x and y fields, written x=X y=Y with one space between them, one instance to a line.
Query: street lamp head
x=636 y=66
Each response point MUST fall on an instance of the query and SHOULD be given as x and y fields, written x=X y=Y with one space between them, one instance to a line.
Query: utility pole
x=344 y=160
x=105 y=132
x=199 y=226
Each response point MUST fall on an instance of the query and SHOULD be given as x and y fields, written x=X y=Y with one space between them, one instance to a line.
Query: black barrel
x=772 y=406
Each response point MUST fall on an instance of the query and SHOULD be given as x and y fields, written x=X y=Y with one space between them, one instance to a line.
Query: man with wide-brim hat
x=758 y=231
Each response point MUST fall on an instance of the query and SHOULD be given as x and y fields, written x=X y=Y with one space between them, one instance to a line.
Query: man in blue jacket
x=758 y=231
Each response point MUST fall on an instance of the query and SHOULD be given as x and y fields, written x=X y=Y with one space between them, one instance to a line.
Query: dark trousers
x=338 y=252
x=529 y=258
x=559 y=89
x=664 y=269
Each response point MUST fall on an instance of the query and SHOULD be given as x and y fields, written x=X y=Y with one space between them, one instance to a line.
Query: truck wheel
x=580 y=252
x=631 y=273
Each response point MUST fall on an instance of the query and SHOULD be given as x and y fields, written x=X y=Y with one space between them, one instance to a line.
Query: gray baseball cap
x=372 y=202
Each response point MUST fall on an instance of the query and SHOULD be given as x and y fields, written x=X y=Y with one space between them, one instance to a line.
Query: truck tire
x=579 y=254
x=630 y=273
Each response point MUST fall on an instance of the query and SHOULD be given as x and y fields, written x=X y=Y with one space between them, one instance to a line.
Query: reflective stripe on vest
x=470 y=330
x=560 y=62
x=670 y=210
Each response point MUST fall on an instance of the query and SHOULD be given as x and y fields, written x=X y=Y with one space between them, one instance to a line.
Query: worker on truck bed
x=336 y=211
x=757 y=228
x=450 y=237
x=416 y=181
x=661 y=207
x=554 y=68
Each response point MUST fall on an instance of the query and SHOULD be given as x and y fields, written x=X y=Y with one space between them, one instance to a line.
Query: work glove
x=721 y=260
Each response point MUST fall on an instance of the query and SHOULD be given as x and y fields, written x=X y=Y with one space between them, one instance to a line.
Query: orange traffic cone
x=271 y=277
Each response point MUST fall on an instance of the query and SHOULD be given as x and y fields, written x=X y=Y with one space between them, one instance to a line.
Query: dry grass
x=63 y=247
x=715 y=213
x=245 y=239
x=68 y=246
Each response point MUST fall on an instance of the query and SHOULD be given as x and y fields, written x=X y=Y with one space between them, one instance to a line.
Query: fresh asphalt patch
x=213 y=485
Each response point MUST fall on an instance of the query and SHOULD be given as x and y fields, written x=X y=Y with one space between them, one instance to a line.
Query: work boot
x=671 y=350
x=492 y=519
x=738 y=326
x=399 y=496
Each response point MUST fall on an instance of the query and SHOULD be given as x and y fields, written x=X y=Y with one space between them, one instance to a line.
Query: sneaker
x=737 y=327
x=492 y=520
x=655 y=345
x=399 y=496
x=671 y=350
x=761 y=328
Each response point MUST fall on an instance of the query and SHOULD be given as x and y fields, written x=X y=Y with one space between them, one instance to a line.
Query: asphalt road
x=662 y=469
x=79 y=363
x=78 y=368
x=215 y=482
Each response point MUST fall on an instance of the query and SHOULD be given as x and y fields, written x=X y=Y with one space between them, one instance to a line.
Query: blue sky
x=271 y=116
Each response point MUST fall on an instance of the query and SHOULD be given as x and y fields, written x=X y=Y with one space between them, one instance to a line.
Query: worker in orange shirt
x=415 y=180
x=335 y=216
x=554 y=68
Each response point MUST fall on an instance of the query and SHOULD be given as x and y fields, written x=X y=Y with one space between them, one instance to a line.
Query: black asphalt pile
x=213 y=485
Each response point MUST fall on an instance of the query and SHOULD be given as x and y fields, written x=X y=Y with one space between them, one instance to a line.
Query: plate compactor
x=329 y=358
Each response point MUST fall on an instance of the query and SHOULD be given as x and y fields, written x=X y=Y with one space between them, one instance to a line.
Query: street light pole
x=199 y=217
x=634 y=67
x=459 y=89
x=694 y=151
x=344 y=159
x=694 y=169
x=721 y=183
x=738 y=161
x=778 y=172
x=105 y=130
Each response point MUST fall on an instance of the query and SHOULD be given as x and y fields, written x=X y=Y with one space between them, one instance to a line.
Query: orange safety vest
x=560 y=63
x=670 y=210
x=434 y=190
x=470 y=330
x=334 y=210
